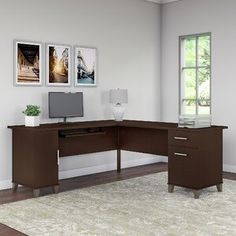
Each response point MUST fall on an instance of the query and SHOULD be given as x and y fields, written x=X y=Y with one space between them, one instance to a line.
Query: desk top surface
x=109 y=123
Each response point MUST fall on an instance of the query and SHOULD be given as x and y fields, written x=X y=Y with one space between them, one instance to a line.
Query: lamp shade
x=118 y=96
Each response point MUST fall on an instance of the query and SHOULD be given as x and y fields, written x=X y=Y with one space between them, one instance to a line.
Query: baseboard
x=108 y=167
x=229 y=168
x=6 y=184
x=164 y=159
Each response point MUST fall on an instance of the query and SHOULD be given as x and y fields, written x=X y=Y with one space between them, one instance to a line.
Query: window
x=195 y=74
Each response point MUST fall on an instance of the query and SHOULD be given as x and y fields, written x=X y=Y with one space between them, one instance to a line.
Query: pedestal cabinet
x=195 y=158
x=35 y=158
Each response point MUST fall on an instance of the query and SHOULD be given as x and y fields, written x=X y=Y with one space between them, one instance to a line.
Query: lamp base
x=118 y=112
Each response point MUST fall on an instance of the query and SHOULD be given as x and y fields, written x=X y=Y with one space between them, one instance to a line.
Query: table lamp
x=118 y=97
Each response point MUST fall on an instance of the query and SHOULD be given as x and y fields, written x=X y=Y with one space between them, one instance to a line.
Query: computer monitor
x=64 y=105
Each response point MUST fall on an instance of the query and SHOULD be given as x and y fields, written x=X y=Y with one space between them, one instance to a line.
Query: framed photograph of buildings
x=85 y=66
x=27 y=63
x=58 y=65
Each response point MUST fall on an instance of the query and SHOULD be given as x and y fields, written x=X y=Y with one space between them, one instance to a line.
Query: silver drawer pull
x=181 y=154
x=58 y=157
x=180 y=138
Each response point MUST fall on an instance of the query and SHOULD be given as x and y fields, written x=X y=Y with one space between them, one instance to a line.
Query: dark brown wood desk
x=195 y=155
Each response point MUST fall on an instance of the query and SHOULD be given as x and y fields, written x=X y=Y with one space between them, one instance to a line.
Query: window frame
x=196 y=68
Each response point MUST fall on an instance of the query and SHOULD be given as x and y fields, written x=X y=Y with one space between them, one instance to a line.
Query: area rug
x=139 y=206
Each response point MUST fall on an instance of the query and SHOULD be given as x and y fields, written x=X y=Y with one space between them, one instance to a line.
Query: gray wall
x=127 y=36
x=190 y=17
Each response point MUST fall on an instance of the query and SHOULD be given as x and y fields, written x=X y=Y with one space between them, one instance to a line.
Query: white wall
x=127 y=36
x=190 y=17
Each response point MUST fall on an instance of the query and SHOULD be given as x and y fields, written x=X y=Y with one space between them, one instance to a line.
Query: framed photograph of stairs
x=27 y=63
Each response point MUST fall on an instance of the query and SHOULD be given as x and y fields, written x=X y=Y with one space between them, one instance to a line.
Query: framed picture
x=58 y=65
x=85 y=66
x=27 y=63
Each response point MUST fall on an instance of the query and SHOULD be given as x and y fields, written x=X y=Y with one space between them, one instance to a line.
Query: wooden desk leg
x=55 y=189
x=14 y=187
x=219 y=187
x=118 y=160
x=171 y=188
x=36 y=192
x=196 y=194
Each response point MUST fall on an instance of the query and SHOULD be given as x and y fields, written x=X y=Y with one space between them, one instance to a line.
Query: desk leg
x=118 y=160
x=219 y=187
x=14 y=187
x=171 y=188
x=36 y=192
x=196 y=193
x=55 y=189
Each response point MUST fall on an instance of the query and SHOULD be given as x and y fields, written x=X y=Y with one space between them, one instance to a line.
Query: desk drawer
x=183 y=153
x=184 y=167
x=183 y=138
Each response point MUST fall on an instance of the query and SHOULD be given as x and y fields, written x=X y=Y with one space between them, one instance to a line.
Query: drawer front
x=183 y=138
x=184 y=167
x=183 y=153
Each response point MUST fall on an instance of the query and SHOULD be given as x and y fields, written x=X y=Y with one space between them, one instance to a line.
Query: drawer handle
x=58 y=157
x=180 y=138
x=181 y=154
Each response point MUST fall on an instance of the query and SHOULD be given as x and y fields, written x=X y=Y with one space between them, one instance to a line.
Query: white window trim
x=196 y=67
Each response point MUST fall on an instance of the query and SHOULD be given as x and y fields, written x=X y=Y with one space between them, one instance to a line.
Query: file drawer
x=183 y=167
x=183 y=153
x=184 y=138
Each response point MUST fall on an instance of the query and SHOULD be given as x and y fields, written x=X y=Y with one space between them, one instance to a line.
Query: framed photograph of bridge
x=27 y=63
x=58 y=65
x=85 y=66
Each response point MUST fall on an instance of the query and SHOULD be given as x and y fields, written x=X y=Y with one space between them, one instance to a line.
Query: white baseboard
x=6 y=184
x=102 y=168
x=229 y=168
x=163 y=159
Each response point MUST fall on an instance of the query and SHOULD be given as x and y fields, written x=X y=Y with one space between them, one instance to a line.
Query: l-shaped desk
x=195 y=155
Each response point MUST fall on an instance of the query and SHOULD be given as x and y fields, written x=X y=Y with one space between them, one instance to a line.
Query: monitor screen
x=62 y=105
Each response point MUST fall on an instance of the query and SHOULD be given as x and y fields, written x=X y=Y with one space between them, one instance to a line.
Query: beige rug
x=139 y=206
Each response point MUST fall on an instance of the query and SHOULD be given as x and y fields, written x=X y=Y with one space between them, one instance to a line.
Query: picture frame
x=28 y=61
x=58 y=65
x=85 y=66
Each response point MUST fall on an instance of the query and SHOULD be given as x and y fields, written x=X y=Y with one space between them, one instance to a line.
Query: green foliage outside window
x=195 y=74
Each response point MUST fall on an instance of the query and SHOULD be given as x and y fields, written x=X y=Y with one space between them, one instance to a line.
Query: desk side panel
x=152 y=141
x=35 y=158
x=46 y=163
x=22 y=157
